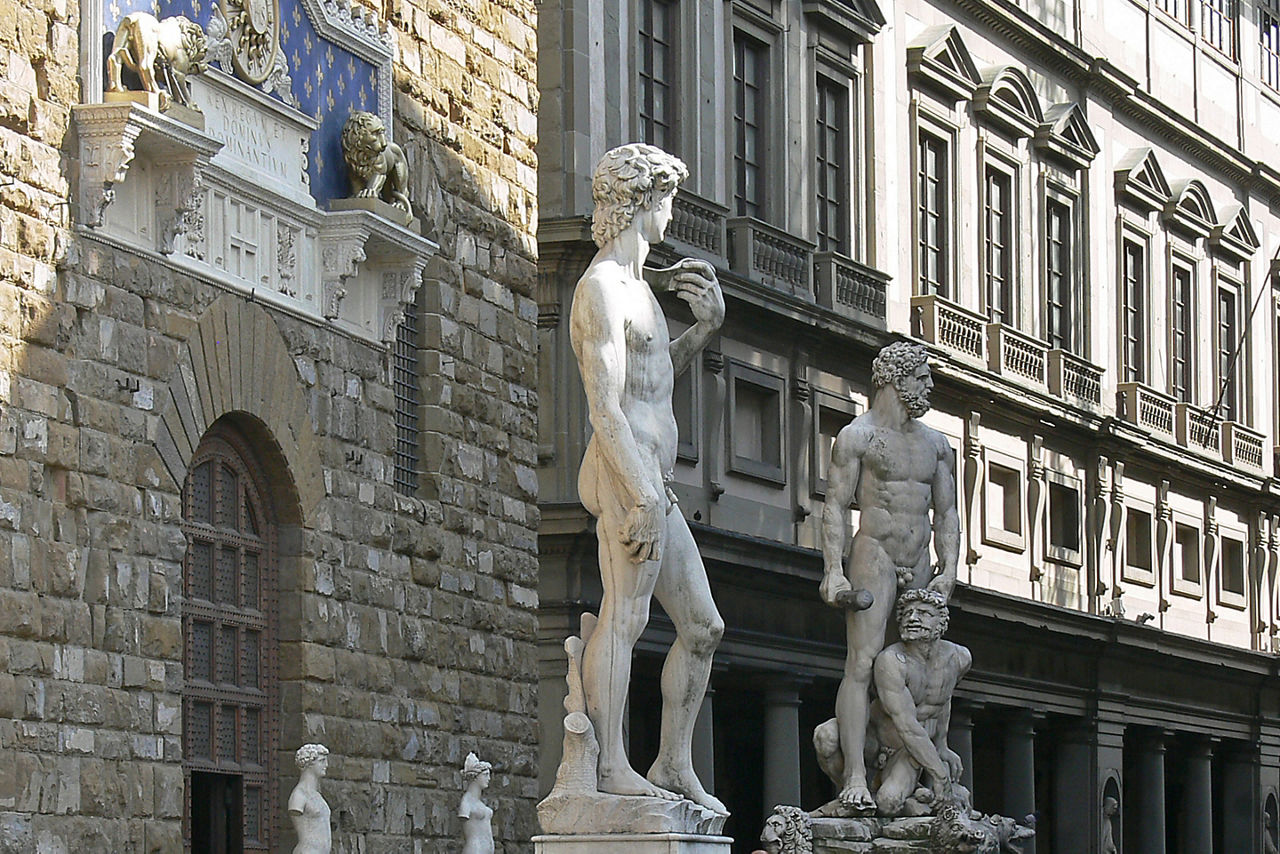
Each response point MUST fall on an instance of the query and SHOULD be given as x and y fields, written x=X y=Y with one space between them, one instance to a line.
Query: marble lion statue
x=788 y=831
x=171 y=49
x=957 y=831
x=376 y=166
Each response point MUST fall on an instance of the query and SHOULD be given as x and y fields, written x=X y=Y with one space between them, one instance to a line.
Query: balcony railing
x=1242 y=446
x=1015 y=355
x=1145 y=407
x=849 y=288
x=697 y=225
x=954 y=329
x=1197 y=430
x=1074 y=380
x=760 y=251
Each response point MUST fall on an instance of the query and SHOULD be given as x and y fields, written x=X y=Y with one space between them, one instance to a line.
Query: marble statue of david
x=628 y=364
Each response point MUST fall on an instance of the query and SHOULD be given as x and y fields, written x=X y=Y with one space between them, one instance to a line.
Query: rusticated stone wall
x=407 y=623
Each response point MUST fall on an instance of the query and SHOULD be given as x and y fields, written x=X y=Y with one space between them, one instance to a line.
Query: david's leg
x=683 y=590
x=606 y=662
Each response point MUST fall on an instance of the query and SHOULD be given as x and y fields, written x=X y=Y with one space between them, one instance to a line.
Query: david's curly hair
x=628 y=179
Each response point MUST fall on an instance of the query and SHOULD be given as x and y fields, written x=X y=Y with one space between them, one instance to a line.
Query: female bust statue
x=307 y=808
x=477 y=831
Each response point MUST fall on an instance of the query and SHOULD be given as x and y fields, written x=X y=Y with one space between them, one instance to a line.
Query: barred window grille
x=657 y=75
x=405 y=376
x=1269 y=33
x=1218 y=24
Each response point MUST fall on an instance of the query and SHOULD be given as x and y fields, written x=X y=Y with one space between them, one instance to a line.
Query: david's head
x=922 y=615
x=632 y=180
x=905 y=367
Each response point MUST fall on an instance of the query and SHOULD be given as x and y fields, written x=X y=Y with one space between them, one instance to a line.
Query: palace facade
x=1075 y=205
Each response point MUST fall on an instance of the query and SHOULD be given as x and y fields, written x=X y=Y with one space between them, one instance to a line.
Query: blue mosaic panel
x=329 y=81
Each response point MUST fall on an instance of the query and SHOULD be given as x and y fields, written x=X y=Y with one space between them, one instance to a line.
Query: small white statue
x=307 y=808
x=477 y=816
x=169 y=49
x=376 y=166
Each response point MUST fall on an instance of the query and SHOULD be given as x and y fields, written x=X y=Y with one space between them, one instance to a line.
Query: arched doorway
x=230 y=636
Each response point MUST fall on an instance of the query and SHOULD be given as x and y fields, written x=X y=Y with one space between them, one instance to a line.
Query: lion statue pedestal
x=377 y=169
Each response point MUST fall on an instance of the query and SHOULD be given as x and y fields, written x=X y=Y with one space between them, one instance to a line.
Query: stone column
x=1196 y=812
x=1020 y=769
x=960 y=739
x=1075 y=800
x=1149 y=794
x=1241 y=801
x=704 y=748
x=781 y=744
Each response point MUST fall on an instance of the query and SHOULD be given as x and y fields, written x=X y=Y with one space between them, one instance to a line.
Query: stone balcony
x=1017 y=356
x=956 y=330
x=698 y=227
x=1075 y=380
x=770 y=255
x=1243 y=447
x=1143 y=406
x=850 y=289
x=1198 y=430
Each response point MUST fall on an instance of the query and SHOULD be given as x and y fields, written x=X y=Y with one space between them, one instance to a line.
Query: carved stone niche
x=371 y=269
x=117 y=139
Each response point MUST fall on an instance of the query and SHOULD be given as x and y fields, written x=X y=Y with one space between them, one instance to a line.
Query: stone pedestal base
x=158 y=102
x=378 y=206
x=632 y=843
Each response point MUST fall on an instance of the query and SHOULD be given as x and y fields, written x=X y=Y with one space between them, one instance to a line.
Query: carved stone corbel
x=372 y=268
x=1037 y=498
x=110 y=137
x=973 y=480
x=1101 y=534
x=1273 y=575
x=1212 y=538
x=1119 y=524
x=1258 y=575
x=179 y=201
x=713 y=361
x=1164 y=542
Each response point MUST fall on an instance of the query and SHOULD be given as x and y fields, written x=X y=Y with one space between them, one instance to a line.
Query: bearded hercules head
x=376 y=165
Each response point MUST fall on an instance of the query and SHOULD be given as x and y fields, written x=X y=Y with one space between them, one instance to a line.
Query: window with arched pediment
x=230 y=634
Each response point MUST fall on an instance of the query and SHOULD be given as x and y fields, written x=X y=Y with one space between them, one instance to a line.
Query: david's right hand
x=642 y=532
x=833 y=584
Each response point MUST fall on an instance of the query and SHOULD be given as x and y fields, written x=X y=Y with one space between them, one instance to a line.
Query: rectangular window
x=1182 y=343
x=755 y=423
x=1004 y=524
x=656 y=64
x=1269 y=34
x=932 y=214
x=405 y=386
x=1060 y=313
x=1218 y=24
x=1134 y=318
x=1228 y=362
x=998 y=216
x=833 y=176
x=1232 y=566
x=1138 y=552
x=750 y=83
x=1064 y=523
x=1187 y=553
